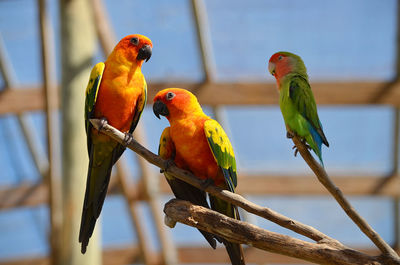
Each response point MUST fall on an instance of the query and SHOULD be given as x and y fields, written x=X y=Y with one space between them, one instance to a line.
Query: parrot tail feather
x=210 y=238
x=235 y=252
x=96 y=189
x=316 y=144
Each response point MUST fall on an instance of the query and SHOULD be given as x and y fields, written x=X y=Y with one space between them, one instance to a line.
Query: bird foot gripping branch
x=168 y=163
x=102 y=121
x=206 y=183
x=128 y=138
x=296 y=150
x=289 y=135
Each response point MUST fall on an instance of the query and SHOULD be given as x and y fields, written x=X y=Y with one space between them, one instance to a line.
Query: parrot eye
x=169 y=95
x=280 y=57
x=134 y=41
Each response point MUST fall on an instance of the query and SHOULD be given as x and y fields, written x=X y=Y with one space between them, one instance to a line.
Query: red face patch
x=282 y=64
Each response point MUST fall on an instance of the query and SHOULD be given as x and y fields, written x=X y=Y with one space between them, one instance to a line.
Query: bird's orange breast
x=192 y=150
x=118 y=94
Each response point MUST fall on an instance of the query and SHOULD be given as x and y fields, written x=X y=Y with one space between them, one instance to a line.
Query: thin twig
x=323 y=177
x=245 y=233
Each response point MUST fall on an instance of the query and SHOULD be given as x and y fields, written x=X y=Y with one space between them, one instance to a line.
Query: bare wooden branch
x=233 y=198
x=323 y=177
x=245 y=233
x=238 y=200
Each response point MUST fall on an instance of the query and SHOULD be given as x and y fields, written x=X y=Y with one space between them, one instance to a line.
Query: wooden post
x=199 y=14
x=395 y=161
x=78 y=41
x=50 y=93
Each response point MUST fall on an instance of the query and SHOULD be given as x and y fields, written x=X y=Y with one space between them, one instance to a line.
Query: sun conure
x=116 y=93
x=197 y=143
x=297 y=101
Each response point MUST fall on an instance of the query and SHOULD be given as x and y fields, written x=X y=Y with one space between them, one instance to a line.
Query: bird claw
x=168 y=163
x=207 y=182
x=297 y=150
x=103 y=121
x=289 y=135
x=127 y=139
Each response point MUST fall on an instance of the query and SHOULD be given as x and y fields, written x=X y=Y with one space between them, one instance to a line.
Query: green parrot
x=296 y=100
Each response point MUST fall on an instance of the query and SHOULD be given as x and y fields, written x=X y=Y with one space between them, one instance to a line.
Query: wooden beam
x=30 y=195
x=188 y=255
x=30 y=98
x=23 y=195
x=335 y=93
x=110 y=256
x=309 y=185
x=21 y=99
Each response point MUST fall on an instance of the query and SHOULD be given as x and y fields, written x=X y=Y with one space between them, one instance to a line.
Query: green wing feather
x=92 y=90
x=303 y=99
x=222 y=151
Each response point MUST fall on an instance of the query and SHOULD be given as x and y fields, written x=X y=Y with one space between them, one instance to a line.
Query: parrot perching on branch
x=197 y=143
x=116 y=93
x=296 y=100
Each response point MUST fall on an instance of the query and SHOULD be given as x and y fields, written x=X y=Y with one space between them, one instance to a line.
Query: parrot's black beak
x=144 y=53
x=159 y=108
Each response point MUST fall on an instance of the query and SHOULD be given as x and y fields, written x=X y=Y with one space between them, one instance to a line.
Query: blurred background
x=219 y=50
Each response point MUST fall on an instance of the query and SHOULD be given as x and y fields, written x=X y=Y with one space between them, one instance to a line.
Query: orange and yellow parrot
x=197 y=143
x=116 y=93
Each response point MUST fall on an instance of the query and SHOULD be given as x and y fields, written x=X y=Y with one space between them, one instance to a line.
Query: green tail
x=234 y=250
x=98 y=178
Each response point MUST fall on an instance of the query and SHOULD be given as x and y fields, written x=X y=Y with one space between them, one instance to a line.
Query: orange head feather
x=134 y=48
x=175 y=103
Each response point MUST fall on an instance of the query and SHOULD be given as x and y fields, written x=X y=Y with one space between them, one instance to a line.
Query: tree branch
x=323 y=177
x=245 y=233
x=233 y=198
x=237 y=200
